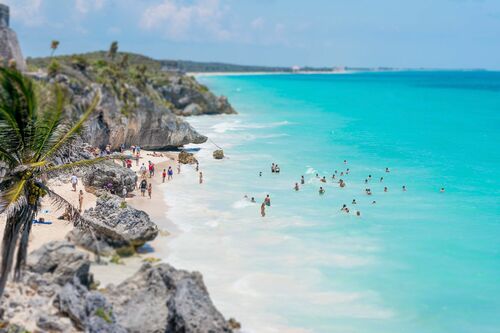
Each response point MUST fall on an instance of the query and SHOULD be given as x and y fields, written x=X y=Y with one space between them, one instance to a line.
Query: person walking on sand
x=80 y=201
x=164 y=175
x=74 y=182
x=170 y=173
x=201 y=177
x=143 y=170
x=150 y=190
x=267 y=200
x=263 y=209
x=144 y=185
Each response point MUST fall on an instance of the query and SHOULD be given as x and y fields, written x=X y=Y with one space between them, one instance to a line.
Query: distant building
x=296 y=69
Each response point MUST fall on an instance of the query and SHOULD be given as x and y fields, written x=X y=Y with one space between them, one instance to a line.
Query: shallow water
x=416 y=261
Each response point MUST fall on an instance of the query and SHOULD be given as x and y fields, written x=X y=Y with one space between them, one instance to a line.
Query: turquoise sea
x=418 y=261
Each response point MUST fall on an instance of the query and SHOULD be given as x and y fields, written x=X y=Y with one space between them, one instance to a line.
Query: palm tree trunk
x=22 y=250
x=13 y=228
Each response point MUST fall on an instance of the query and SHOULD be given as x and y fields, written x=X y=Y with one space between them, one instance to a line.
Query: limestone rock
x=187 y=158
x=218 y=154
x=115 y=225
x=62 y=261
x=163 y=299
x=102 y=174
x=192 y=109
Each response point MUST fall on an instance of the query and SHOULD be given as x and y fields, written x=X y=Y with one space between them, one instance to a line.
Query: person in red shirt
x=164 y=175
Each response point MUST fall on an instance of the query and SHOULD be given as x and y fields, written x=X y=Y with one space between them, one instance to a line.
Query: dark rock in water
x=9 y=45
x=187 y=158
x=89 y=311
x=102 y=174
x=115 y=225
x=163 y=299
x=218 y=154
x=234 y=324
x=62 y=261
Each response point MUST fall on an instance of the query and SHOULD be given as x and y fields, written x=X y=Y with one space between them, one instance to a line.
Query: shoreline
x=202 y=74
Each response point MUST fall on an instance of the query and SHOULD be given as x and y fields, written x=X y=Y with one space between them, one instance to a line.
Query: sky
x=367 y=33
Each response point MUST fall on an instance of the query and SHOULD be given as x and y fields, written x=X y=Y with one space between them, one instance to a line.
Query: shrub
x=126 y=251
x=54 y=68
x=106 y=316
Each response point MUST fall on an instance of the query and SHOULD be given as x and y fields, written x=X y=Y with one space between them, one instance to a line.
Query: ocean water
x=416 y=261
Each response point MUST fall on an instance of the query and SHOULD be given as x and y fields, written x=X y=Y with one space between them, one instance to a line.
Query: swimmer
x=358 y=213
x=381 y=179
x=263 y=209
x=404 y=188
x=323 y=179
x=347 y=210
x=341 y=183
x=302 y=180
x=260 y=174
x=277 y=169
x=317 y=176
x=321 y=191
x=368 y=191
x=354 y=201
x=387 y=170
x=273 y=168
x=366 y=181
x=345 y=161
x=370 y=177
x=441 y=190
x=386 y=189
x=344 y=207
x=374 y=202
x=333 y=176
x=296 y=186
x=342 y=173
x=336 y=171
x=267 y=200
x=347 y=171
x=252 y=200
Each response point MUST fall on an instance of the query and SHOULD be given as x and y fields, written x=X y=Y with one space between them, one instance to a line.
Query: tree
x=54 y=45
x=31 y=138
x=113 y=50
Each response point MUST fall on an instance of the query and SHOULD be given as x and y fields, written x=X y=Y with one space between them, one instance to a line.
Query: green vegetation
x=151 y=260
x=125 y=251
x=116 y=259
x=105 y=315
x=123 y=204
x=31 y=137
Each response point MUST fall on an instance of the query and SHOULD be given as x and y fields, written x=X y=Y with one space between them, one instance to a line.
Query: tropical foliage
x=31 y=137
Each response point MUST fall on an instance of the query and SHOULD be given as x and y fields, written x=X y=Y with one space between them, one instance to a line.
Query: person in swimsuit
x=387 y=170
x=252 y=200
x=273 y=168
x=302 y=180
x=323 y=180
x=260 y=174
x=381 y=179
x=144 y=185
x=296 y=186
x=170 y=173
x=150 y=190
x=404 y=188
x=386 y=189
x=267 y=200
x=263 y=209
x=354 y=201
x=164 y=175
x=442 y=190
x=321 y=190
x=201 y=177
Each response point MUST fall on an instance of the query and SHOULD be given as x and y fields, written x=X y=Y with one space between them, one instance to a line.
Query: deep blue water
x=416 y=261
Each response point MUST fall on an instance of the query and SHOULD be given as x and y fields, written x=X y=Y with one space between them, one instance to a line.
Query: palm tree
x=30 y=140
x=54 y=45
x=113 y=50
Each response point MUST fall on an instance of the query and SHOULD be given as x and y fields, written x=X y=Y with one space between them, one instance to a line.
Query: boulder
x=89 y=311
x=163 y=299
x=218 y=154
x=62 y=261
x=192 y=109
x=9 y=45
x=100 y=175
x=115 y=225
x=187 y=158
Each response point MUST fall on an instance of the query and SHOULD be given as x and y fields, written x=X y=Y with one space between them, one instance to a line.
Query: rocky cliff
x=140 y=104
x=9 y=45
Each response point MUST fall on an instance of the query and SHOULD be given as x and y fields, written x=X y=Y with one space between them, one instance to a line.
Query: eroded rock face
x=61 y=261
x=115 y=225
x=100 y=175
x=163 y=299
x=145 y=123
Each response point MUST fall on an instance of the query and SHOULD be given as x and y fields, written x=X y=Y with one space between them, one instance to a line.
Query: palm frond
x=12 y=197
x=78 y=164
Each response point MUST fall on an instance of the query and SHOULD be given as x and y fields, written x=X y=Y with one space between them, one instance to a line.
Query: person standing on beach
x=201 y=177
x=178 y=168
x=150 y=190
x=197 y=166
x=80 y=201
x=143 y=170
x=263 y=209
x=144 y=185
x=133 y=149
x=74 y=182
x=137 y=157
x=164 y=175
x=170 y=173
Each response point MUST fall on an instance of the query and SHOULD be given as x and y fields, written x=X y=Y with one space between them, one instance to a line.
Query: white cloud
x=258 y=23
x=26 y=11
x=183 y=20
x=84 y=6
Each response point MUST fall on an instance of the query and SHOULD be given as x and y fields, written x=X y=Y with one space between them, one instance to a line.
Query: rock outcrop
x=218 y=154
x=191 y=98
x=9 y=45
x=187 y=158
x=163 y=299
x=111 y=176
x=115 y=226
